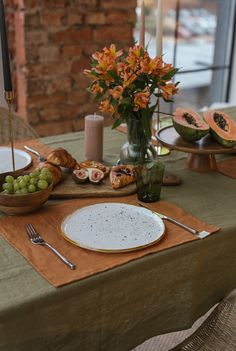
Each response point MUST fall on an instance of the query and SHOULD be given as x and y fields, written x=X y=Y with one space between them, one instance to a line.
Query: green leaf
x=113 y=74
x=170 y=74
x=117 y=123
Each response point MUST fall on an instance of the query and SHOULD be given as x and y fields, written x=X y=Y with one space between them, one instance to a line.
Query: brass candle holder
x=161 y=150
x=9 y=97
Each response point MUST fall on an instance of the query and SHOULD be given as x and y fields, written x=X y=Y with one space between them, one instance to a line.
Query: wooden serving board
x=68 y=188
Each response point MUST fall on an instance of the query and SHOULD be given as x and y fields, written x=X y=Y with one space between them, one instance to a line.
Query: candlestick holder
x=9 y=97
x=161 y=150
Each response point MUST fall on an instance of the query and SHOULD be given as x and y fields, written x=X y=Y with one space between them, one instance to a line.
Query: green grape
x=9 y=179
x=22 y=183
x=43 y=176
x=16 y=186
x=44 y=170
x=36 y=172
x=7 y=186
x=18 y=191
x=26 y=178
x=24 y=190
x=19 y=178
x=49 y=178
x=31 y=188
x=33 y=181
x=42 y=184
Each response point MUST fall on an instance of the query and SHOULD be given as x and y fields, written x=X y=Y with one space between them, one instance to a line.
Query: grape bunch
x=37 y=180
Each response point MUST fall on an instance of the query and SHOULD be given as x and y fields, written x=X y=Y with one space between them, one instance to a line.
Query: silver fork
x=40 y=157
x=35 y=238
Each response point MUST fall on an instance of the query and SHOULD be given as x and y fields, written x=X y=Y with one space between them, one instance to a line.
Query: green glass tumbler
x=149 y=179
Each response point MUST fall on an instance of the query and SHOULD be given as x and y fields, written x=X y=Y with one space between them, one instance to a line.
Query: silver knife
x=201 y=234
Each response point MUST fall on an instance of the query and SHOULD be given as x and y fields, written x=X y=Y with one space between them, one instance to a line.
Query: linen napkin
x=48 y=220
x=227 y=167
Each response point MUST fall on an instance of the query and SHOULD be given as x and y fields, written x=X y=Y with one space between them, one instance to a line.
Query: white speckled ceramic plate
x=22 y=160
x=113 y=227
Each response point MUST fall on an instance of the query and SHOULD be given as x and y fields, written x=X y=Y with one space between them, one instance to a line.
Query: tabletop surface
x=209 y=196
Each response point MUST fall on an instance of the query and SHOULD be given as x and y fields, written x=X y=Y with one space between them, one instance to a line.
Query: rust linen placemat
x=48 y=221
x=228 y=167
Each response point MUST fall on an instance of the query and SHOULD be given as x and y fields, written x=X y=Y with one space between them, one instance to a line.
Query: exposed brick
x=51 y=128
x=33 y=116
x=59 y=84
x=119 y=4
x=36 y=36
x=78 y=97
x=72 y=35
x=47 y=70
x=118 y=17
x=79 y=65
x=50 y=44
x=74 y=18
x=48 y=53
x=113 y=34
x=32 y=20
x=50 y=114
x=86 y=5
x=71 y=50
x=52 y=4
x=95 y=18
x=52 y=19
x=43 y=100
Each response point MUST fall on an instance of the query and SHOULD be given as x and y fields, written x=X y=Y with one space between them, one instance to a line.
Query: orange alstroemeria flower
x=168 y=90
x=88 y=73
x=151 y=66
x=117 y=92
x=105 y=106
x=141 y=100
x=96 y=89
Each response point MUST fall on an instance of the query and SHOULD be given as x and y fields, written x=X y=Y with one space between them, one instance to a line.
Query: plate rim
x=29 y=158
x=140 y=247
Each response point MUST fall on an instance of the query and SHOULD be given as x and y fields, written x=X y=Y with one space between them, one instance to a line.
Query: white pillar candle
x=159 y=27
x=94 y=137
x=142 y=25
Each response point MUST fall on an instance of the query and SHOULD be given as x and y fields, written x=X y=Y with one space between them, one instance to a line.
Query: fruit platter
x=201 y=137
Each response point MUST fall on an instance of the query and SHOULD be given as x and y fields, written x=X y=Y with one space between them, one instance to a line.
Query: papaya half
x=222 y=127
x=189 y=124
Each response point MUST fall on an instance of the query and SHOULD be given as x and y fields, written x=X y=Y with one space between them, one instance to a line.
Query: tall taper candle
x=142 y=25
x=5 y=55
x=159 y=28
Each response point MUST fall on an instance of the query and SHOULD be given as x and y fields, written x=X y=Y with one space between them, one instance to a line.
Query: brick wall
x=51 y=43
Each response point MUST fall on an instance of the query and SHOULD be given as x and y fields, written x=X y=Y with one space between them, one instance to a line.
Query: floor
x=167 y=341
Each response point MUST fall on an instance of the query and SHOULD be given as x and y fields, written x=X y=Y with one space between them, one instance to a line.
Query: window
x=197 y=38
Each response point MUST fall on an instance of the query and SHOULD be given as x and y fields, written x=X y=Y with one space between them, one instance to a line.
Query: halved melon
x=189 y=124
x=222 y=127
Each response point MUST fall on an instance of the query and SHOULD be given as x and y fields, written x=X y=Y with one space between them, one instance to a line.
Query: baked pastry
x=94 y=164
x=61 y=157
x=55 y=171
x=122 y=175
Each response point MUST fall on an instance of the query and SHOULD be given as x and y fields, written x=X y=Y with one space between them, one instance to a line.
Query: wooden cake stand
x=201 y=156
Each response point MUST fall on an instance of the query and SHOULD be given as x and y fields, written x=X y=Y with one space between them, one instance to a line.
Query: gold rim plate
x=113 y=228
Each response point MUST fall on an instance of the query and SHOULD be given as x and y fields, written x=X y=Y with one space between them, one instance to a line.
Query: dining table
x=121 y=307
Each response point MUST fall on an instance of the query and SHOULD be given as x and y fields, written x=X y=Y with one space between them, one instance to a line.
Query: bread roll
x=61 y=157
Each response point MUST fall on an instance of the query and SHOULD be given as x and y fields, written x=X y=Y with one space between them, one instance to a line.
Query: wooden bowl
x=15 y=204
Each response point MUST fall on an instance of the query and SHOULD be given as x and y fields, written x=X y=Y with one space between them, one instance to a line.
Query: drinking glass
x=149 y=179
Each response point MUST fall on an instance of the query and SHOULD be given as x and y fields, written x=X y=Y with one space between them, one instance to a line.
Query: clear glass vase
x=138 y=147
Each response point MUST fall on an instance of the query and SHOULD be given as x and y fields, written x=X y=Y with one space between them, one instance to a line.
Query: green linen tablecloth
x=118 y=309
